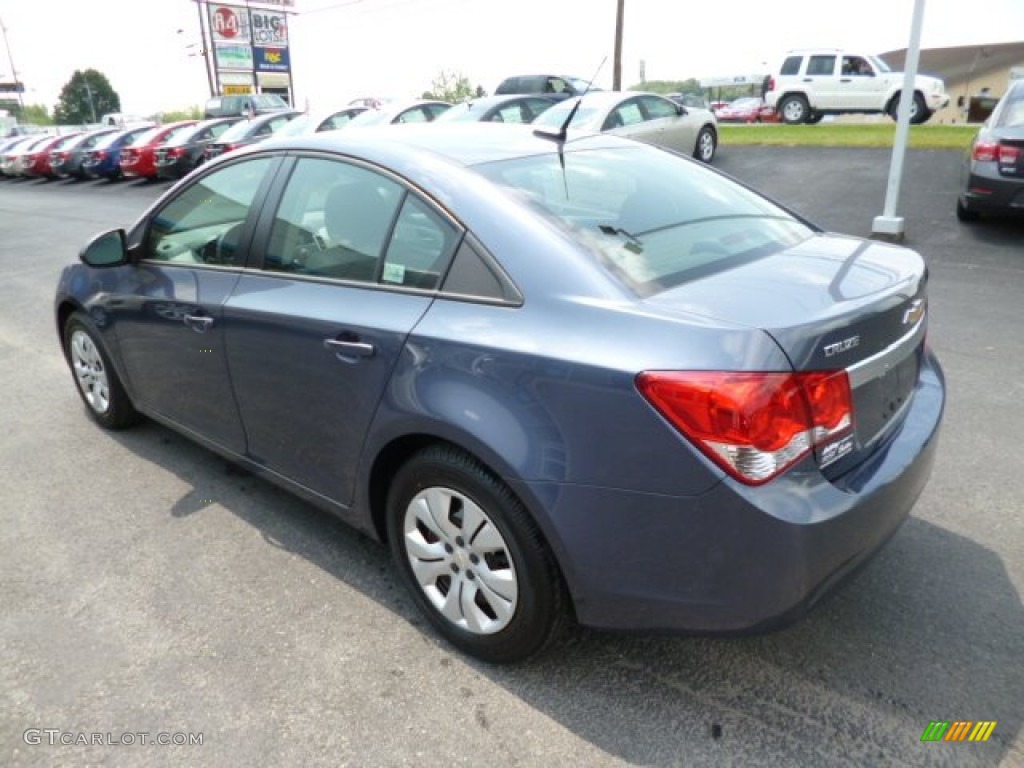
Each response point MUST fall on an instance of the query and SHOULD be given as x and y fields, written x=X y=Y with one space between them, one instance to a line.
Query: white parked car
x=826 y=81
x=645 y=117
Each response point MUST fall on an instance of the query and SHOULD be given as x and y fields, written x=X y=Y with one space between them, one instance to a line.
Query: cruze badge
x=841 y=346
x=914 y=313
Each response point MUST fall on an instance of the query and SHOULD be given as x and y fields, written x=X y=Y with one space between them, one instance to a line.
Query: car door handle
x=198 y=323
x=845 y=80
x=348 y=350
x=808 y=80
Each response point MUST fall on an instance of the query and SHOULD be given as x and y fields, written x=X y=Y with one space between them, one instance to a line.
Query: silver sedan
x=643 y=116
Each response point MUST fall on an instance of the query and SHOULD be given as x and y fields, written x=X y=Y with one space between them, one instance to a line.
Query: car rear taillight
x=100 y=155
x=1008 y=155
x=176 y=152
x=753 y=425
x=985 y=151
x=771 y=84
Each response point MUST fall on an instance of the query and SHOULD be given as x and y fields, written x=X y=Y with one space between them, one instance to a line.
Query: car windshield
x=652 y=219
x=146 y=136
x=880 y=65
x=268 y=101
x=371 y=117
x=296 y=127
x=66 y=142
x=236 y=131
x=106 y=141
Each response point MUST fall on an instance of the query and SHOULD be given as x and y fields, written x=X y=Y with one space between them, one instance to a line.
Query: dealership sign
x=269 y=28
x=229 y=24
x=233 y=56
x=271 y=59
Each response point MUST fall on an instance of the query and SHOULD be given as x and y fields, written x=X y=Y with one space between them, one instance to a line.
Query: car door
x=674 y=130
x=169 y=314
x=627 y=119
x=859 y=83
x=350 y=263
x=821 y=82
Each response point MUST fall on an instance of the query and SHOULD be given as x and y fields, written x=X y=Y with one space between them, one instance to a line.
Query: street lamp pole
x=14 y=72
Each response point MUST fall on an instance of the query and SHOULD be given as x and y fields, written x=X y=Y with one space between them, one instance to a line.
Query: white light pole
x=889 y=226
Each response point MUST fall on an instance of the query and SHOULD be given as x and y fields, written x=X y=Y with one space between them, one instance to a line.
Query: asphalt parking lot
x=151 y=588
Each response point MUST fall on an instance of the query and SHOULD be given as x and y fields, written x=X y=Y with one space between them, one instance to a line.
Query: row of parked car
x=172 y=150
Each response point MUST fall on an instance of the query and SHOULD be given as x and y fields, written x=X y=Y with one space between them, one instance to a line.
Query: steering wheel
x=222 y=249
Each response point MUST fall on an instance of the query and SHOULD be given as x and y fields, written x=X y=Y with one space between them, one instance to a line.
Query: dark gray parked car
x=992 y=175
x=564 y=378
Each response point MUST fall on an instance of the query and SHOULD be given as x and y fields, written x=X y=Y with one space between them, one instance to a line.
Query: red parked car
x=137 y=159
x=749 y=110
x=37 y=162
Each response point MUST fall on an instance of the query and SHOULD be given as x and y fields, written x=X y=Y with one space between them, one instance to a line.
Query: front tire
x=473 y=560
x=794 y=109
x=815 y=117
x=98 y=384
x=919 y=112
x=707 y=142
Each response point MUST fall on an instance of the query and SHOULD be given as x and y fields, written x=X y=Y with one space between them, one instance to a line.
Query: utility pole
x=617 y=64
x=88 y=90
x=14 y=72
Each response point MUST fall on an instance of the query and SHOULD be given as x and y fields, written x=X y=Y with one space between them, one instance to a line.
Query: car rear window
x=791 y=65
x=651 y=218
x=1011 y=111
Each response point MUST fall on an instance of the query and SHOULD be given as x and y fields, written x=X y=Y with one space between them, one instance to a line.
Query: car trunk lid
x=831 y=303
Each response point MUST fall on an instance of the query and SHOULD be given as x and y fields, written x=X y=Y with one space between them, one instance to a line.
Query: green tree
x=668 y=86
x=85 y=98
x=451 y=86
x=35 y=114
x=191 y=113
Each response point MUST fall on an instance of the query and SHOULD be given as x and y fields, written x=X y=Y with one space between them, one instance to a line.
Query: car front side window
x=202 y=225
x=821 y=66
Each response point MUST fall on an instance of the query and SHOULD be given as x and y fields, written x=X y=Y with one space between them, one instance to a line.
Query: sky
x=343 y=49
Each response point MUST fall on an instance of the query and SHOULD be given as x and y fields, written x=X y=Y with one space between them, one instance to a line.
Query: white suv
x=814 y=83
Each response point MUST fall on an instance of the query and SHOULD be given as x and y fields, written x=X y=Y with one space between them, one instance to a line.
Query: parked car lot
x=747 y=110
x=248 y=132
x=181 y=606
x=498 y=109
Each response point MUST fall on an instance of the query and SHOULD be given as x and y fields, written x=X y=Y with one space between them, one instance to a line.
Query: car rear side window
x=652 y=219
x=202 y=224
x=821 y=65
x=791 y=66
x=333 y=221
x=657 y=108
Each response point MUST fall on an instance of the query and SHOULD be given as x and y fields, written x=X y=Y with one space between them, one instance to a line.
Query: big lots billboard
x=235 y=24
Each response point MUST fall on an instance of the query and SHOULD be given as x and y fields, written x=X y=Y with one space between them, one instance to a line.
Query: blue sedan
x=564 y=377
x=103 y=160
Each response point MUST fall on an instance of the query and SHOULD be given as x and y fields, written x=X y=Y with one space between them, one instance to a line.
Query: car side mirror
x=106 y=250
x=681 y=110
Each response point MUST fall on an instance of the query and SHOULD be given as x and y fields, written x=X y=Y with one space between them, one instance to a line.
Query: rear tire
x=473 y=560
x=794 y=109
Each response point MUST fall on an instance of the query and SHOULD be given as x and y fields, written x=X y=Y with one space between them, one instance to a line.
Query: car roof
x=465 y=144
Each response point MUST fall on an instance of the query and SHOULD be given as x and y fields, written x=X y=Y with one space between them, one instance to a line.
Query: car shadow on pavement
x=931 y=629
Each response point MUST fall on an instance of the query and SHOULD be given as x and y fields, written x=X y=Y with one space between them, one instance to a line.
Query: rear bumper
x=985 y=189
x=737 y=559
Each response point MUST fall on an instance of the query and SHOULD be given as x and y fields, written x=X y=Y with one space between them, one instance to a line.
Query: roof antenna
x=563 y=132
